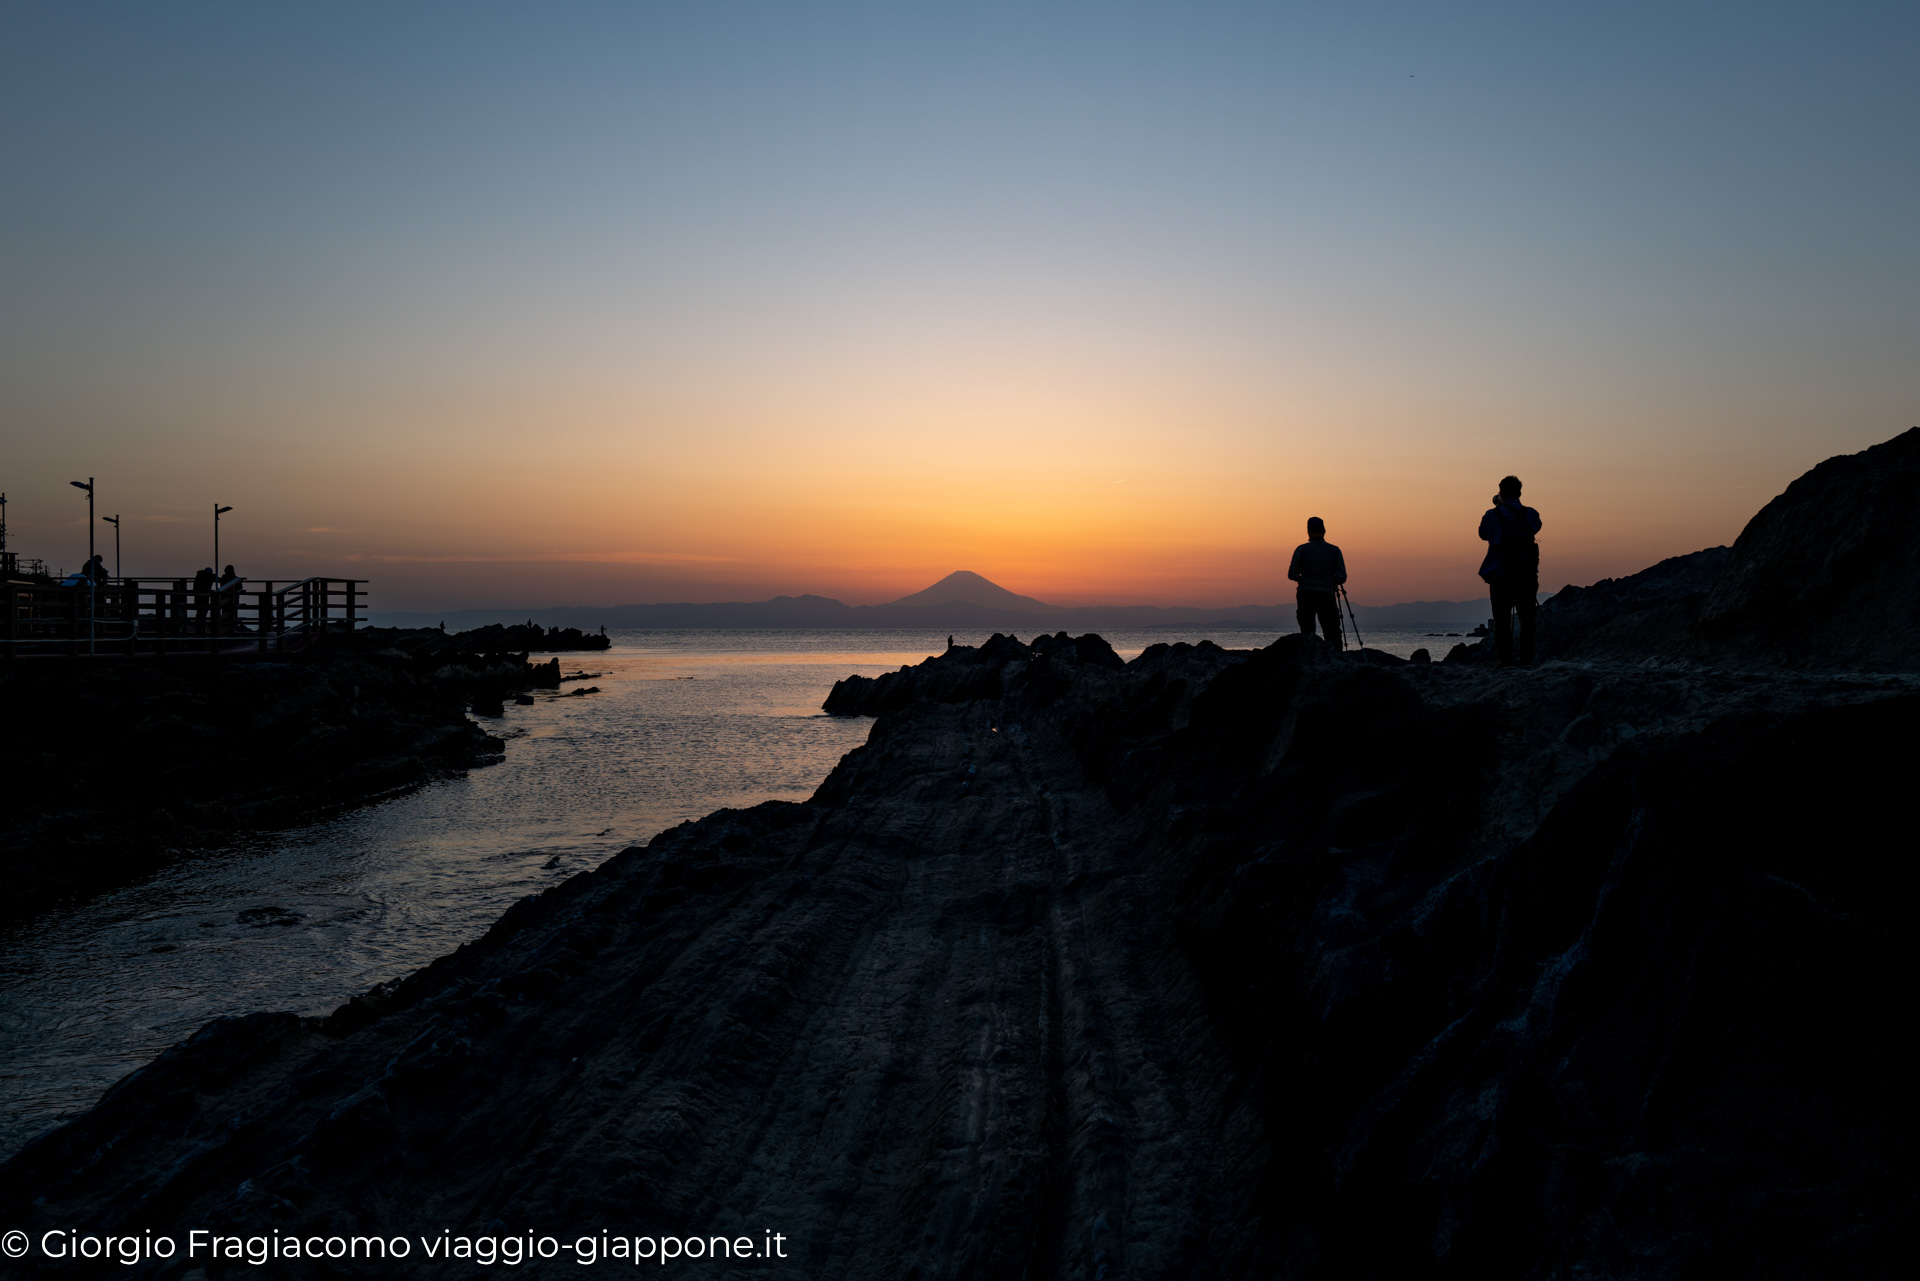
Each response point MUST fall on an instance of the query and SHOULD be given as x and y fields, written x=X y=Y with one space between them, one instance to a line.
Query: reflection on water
x=302 y=920
x=684 y=723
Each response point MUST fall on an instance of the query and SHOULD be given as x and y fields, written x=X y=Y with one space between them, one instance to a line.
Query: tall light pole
x=115 y=522
x=87 y=485
x=217 y=509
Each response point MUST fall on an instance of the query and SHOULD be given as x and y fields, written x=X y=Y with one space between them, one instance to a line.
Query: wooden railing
x=167 y=615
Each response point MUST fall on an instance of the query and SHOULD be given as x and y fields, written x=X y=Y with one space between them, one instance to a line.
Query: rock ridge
x=1825 y=577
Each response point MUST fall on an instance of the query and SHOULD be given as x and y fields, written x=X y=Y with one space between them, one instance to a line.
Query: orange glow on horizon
x=1125 y=500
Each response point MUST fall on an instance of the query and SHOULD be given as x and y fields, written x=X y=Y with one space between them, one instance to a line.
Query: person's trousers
x=1321 y=606
x=1509 y=598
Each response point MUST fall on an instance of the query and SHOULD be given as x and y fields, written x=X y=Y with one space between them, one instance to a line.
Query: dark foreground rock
x=115 y=768
x=1211 y=965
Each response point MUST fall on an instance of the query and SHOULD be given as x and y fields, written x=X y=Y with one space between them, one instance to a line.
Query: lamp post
x=87 y=485
x=115 y=522
x=217 y=509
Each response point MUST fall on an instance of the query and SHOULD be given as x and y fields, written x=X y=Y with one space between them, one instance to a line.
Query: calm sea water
x=683 y=723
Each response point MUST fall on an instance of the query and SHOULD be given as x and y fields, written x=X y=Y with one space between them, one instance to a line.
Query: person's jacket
x=1317 y=566
x=1508 y=529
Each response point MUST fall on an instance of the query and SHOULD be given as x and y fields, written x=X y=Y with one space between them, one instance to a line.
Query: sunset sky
x=537 y=304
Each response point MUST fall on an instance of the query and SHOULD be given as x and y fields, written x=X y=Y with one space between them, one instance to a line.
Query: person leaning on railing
x=93 y=572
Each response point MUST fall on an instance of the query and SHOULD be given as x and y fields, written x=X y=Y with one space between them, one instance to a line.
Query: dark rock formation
x=115 y=768
x=1828 y=574
x=1211 y=965
x=1651 y=612
x=526 y=637
x=522 y=638
x=1824 y=577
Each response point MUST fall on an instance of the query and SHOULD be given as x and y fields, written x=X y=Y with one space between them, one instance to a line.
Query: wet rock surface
x=1214 y=964
x=115 y=768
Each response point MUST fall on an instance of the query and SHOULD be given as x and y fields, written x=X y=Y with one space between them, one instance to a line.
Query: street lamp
x=217 y=509
x=115 y=522
x=87 y=485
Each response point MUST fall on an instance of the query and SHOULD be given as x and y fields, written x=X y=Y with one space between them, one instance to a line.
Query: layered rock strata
x=1210 y=964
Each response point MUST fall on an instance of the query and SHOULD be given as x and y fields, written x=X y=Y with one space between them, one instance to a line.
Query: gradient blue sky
x=537 y=304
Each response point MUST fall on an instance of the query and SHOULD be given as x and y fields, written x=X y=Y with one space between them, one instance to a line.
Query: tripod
x=1354 y=622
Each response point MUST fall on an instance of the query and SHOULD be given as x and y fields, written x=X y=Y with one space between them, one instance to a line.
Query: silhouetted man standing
x=1512 y=569
x=1319 y=569
x=203 y=595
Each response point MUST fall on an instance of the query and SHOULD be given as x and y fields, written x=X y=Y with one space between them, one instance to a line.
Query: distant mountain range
x=960 y=600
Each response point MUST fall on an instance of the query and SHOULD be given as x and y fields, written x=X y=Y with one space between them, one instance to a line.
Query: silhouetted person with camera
x=1512 y=570
x=1319 y=569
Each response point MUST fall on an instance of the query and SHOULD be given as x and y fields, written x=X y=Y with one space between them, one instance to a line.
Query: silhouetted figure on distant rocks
x=1320 y=570
x=1512 y=570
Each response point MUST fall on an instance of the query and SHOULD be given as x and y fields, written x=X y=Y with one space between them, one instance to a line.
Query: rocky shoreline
x=1210 y=964
x=120 y=767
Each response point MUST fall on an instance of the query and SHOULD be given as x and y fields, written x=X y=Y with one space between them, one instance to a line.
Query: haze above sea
x=682 y=723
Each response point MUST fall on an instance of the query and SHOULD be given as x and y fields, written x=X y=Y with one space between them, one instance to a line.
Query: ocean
x=682 y=724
